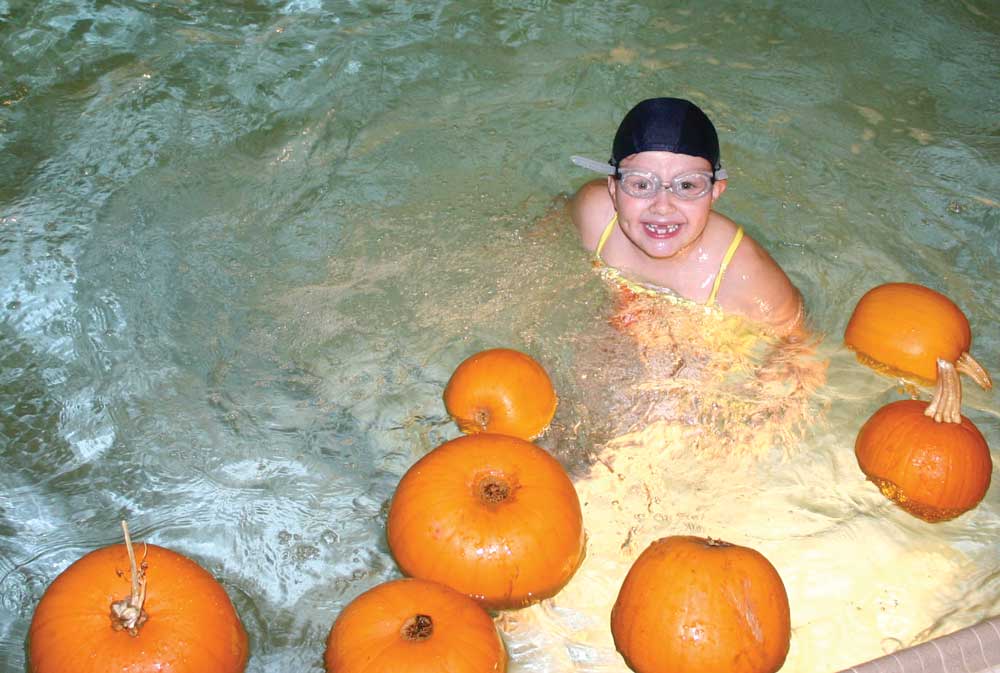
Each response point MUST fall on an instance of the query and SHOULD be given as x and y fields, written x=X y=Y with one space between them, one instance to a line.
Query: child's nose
x=663 y=201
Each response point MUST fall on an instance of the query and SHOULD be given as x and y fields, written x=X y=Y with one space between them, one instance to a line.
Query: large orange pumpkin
x=502 y=391
x=933 y=470
x=109 y=612
x=903 y=329
x=415 y=626
x=698 y=605
x=492 y=516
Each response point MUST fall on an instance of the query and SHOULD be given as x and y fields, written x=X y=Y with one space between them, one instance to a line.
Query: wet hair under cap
x=667 y=125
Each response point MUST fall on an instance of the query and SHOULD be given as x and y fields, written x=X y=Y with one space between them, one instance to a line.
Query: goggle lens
x=687 y=186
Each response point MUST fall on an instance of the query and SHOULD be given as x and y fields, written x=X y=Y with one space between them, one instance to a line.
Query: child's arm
x=591 y=210
x=761 y=290
x=770 y=298
x=756 y=287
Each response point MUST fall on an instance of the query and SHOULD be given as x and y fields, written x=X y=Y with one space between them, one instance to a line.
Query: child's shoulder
x=591 y=210
x=752 y=257
x=723 y=235
x=721 y=230
x=756 y=286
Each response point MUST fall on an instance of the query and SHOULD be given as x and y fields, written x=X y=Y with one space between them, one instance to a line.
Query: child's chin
x=663 y=249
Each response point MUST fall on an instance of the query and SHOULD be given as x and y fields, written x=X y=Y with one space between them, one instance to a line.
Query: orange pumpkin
x=934 y=471
x=415 y=626
x=698 y=605
x=502 y=391
x=903 y=329
x=492 y=516
x=106 y=612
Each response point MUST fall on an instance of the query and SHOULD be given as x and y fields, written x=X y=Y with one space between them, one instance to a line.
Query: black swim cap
x=667 y=125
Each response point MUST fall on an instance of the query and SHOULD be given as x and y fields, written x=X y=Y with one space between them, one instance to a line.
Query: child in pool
x=651 y=224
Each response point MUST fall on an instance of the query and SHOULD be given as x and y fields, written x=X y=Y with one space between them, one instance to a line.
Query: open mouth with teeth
x=657 y=230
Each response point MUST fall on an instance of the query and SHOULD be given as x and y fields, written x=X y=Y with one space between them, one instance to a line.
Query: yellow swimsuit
x=615 y=275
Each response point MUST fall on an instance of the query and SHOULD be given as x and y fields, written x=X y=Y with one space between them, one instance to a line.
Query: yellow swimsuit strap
x=605 y=235
x=725 y=263
x=730 y=252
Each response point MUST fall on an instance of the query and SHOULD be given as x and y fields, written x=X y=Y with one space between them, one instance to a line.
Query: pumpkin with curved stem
x=501 y=391
x=415 y=626
x=933 y=470
x=163 y=612
x=698 y=605
x=903 y=329
x=492 y=516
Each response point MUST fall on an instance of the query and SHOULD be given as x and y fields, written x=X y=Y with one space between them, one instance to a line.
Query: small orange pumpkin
x=415 y=626
x=903 y=329
x=165 y=613
x=933 y=470
x=698 y=605
x=502 y=391
x=492 y=516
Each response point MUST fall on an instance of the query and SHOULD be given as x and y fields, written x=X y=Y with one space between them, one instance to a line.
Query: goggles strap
x=597 y=166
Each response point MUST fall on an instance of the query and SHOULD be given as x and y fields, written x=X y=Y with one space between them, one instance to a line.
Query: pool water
x=243 y=244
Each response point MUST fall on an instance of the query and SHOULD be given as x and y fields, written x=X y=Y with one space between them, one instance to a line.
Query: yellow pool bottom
x=725 y=458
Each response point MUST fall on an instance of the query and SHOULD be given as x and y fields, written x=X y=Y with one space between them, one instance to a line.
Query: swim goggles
x=646 y=185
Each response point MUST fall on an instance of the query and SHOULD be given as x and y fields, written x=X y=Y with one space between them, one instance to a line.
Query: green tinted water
x=244 y=244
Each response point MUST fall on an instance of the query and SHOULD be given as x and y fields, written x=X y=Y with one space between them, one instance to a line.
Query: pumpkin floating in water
x=903 y=329
x=698 y=605
x=492 y=516
x=110 y=612
x=415 y=626
x=933 y=470
x=501 y=391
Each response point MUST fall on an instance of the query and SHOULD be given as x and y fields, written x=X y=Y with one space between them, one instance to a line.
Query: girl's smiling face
x=665 y=226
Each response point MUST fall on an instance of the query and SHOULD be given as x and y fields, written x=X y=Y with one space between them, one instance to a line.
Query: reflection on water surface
x=243 y=245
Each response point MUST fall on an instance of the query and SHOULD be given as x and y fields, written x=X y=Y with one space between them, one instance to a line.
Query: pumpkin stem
x=493 y=489
x=966 y=364
x=715 y=542
x=481 y=418
x=127 y=614
x=946 y=405
x=417 y=627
